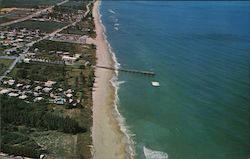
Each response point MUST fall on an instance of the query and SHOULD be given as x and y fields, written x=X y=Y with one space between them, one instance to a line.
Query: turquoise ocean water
x=200 y=54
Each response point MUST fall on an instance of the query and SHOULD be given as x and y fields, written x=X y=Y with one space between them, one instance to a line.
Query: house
x=19 y=85
x=11 y=82
x=4 y=91
x=69 y=60
x=69 y=95
x=47 y=89
x=26 y=87
x=59 y=101
x=60 y=89
x=13 y=94
x=69 y=91
x=37 y=88
x=49 y=83
x=35 y=94
x=26 y=60
x=38 y=99
x=23 y=96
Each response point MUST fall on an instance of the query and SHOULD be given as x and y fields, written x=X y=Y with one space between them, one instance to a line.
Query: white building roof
x=49 y=83
x=38 y=99
x=4 y=91
x=23 y=96
x=69 y=95
x=38 y=88
x=47 y=89
x=19 y=85
x=13 y=94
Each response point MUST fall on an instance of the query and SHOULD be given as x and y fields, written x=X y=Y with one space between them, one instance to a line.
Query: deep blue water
x=200 y=52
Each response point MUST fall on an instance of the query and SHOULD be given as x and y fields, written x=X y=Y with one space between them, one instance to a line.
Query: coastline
x=107 y=137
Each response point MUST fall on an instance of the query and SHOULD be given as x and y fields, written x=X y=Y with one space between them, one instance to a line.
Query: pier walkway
x=129 y=70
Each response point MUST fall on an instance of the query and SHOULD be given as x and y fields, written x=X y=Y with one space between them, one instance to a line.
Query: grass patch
x=46 y=26
x=4 y=64
x=63 y=145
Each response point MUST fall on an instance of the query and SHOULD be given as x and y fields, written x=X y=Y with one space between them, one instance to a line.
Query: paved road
x=34 y=14
x=17 y=59
x=8 y=57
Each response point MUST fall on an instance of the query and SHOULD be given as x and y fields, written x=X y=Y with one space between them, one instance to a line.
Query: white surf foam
x=111 y=11
x=121 y=120
x=116 y=28
x=153 y=154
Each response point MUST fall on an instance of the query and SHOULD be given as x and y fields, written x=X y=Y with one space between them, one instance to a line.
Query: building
x=69 y=60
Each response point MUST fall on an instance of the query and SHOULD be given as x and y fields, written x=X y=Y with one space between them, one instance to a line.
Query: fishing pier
x=129 y=70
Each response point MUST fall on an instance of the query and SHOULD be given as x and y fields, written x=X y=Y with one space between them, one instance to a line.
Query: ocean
x=200 y=52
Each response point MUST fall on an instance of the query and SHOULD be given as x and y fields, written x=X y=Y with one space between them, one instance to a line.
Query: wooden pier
x=129 y=70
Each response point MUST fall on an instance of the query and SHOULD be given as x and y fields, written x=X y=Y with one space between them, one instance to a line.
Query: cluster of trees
x=18 y=118
x=54 y=45
x=17 y=112
x=40 y=72
x=19 y=144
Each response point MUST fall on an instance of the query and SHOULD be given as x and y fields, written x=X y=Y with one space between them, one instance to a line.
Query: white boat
x=155 y=83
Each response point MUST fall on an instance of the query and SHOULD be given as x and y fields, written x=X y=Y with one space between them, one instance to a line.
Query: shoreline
x=107 y=137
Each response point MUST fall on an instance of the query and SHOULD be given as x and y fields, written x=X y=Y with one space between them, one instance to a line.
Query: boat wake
x=152 y=154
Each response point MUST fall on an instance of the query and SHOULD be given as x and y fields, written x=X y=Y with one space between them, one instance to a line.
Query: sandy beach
x=106 y=134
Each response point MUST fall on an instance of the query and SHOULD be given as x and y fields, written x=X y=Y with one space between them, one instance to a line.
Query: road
x=33 y=15
x=87 y=12
x=17 y=59
x=21 y=56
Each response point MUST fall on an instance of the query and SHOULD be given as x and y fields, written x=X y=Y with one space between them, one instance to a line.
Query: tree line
x=17 y=112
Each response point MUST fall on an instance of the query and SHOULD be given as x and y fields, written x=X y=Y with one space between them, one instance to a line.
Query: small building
x=37 y=88
x=69 y=60
x=47 y=89
x=69 y=95
x=60 y=89
x=49 y=83
x=19 y=85
x=4 y=91
x=35 y=94
x=13 y=94
x=26 y=60
x=26 y=87
x=69 y=91
x=11 y=82
x=59 y=101
x=38 y=99
x=23 y=96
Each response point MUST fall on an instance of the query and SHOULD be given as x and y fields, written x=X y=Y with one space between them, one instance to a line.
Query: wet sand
x=107 y=137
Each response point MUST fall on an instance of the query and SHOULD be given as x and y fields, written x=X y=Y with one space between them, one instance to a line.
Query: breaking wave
x=152 y=154
x=116 y=84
